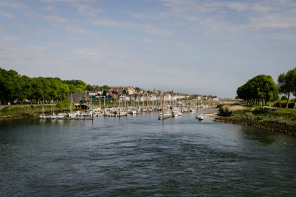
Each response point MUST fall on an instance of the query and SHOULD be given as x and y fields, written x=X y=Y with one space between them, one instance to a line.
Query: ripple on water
x=141 y=156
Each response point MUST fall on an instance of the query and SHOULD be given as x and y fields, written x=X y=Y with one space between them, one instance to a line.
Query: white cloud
x=253 y=18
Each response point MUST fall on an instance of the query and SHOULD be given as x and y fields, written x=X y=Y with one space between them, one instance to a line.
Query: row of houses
x=129 y=93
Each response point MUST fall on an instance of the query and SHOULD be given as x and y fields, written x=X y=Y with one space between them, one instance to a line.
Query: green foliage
x=258 y=89
x=23 y=111
x=260 y=113
x=9 y=85
x=14 y=87
x=89 y=87
x=105 y=87
x=282 y=120
x=80 y=88
x=286 y=113
x=284 y=98
x=287 y=84
x=63 y=105
x=74 y=82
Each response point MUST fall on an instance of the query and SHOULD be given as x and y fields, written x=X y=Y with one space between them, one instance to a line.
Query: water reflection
x=263 y=137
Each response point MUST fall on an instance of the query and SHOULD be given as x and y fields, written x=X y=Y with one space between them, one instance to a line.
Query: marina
x=167 y=111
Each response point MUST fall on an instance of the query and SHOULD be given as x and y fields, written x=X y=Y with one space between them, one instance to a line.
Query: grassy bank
x=27 y=111
x=279 y=120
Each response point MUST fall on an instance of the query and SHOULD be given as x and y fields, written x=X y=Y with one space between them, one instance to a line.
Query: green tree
x=41 y=89
x=74 y=82
x=105 y=87
x=53 y=88
x=287 y=84
x=89 y=87
x=72 y=88
x=80 y=88
x=293 y=73
x=258 y=89
x=9 y=85
x=25 y=88
x=63 y=91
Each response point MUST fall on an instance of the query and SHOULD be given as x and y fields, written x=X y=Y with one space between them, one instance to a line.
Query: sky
x=190 y=46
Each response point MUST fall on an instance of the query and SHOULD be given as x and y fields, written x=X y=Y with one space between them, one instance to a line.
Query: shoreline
x=15 y=112
x=276 y=120
x=270 y=126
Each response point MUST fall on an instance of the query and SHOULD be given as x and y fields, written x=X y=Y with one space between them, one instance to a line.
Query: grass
x=280 y=120
x=23 y=111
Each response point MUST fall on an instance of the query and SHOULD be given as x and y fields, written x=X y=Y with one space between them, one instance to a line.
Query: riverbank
x=273 y=119
x=26 y=111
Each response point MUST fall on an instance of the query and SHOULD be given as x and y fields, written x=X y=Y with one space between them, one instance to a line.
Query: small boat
x=53 y=116
x=164 y=115
x=192 y=110
x=60 y=116
x=199 y=117
x=133 y=112
x=177 y=114
x=42 y=116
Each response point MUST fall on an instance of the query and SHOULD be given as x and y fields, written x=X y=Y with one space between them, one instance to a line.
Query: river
x=142 y=156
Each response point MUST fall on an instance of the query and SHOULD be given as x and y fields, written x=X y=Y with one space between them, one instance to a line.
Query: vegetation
x=287 y=84
x=24 y=111
x=280 y=120
x=64 y=105
x=15 y=87
x=261 y=88
x=105 y=87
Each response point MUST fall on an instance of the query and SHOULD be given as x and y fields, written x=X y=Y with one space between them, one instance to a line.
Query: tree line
x=16 y=87
x=262 y=88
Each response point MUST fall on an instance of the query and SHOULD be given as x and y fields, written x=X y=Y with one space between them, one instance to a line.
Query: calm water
x=142 y=156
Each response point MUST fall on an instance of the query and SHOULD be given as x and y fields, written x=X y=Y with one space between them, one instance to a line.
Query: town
x=132 y=95
x=126 y=100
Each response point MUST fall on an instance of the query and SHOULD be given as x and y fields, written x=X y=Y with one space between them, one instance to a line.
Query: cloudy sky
x=189 y=46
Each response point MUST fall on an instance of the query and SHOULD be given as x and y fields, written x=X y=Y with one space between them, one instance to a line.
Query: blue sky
x=189 y=46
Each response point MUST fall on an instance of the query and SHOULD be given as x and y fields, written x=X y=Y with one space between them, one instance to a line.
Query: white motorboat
x=60 y=116
x=199 y=117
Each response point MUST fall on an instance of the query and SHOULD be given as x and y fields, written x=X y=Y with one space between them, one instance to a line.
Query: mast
x=71 y=103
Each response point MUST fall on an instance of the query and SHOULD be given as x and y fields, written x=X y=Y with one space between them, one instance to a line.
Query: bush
x=63 y=105
x=249 y=116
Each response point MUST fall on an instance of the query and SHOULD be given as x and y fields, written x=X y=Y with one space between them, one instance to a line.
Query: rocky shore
x=267 y=125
